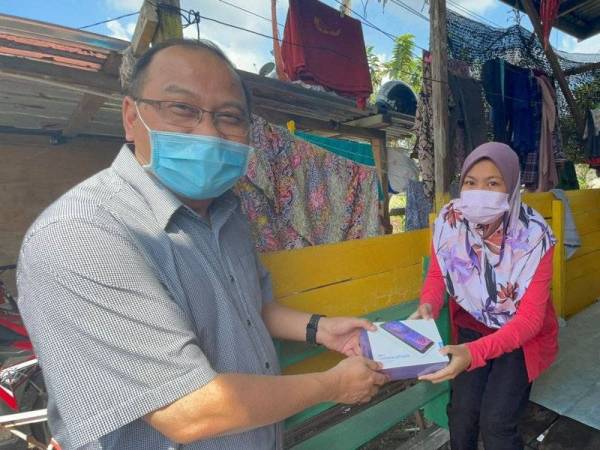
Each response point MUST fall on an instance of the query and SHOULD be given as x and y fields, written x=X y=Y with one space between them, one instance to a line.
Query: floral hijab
x=486 y=273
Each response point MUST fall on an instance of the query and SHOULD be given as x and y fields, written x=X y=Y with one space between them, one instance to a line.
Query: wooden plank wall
x=352 y=277
x=583 y=280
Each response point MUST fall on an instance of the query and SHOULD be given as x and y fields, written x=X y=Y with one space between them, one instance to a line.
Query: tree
x=376 y=68
x=402 y=65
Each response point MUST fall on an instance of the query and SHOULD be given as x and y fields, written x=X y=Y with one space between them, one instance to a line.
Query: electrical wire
x=472 y=13
x=190 y=16
x=410 y=9
x=249 y=12
x=109 y=20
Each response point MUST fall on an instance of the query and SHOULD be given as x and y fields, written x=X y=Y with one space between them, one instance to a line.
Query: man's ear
x=130 y=115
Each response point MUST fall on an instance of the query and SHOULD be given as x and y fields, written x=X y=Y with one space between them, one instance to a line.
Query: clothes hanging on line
x=297 y=194
x=515 y=106
x=591 y=137
x=354 y=151
x=470 y=115
x=567 y=177
x=417 y=207
x=401 y=168
x=547 y=176
x=572 y=240
x=320 y=46
x=468 y=127
x=524 y=114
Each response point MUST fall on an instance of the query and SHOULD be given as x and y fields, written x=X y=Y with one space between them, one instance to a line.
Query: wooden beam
x=582 y=69
x=345 y=7
x=90 y=104
x=83 y=114
x=573 y=5
x=556 y=69
x=97 y=83
x=439 y=73
x=374 y=121
x=169 y=21
x=145 y=28
x=305 y=123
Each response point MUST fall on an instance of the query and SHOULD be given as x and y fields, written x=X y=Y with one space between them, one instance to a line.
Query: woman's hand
x=461 y=360
x=422 y=312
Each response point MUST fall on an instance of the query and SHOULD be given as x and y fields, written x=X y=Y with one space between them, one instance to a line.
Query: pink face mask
x=482 y=207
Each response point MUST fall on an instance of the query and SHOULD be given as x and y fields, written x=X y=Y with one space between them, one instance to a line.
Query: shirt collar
x=161 y=201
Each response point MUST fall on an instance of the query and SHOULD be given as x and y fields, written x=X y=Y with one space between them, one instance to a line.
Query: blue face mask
x=195 y=166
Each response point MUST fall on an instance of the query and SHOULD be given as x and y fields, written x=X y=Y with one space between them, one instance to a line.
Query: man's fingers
x=373 y=365
x=365 y=324
x=380 y=379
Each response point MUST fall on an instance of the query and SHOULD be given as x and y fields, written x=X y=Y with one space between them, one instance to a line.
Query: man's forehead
x=184 y=70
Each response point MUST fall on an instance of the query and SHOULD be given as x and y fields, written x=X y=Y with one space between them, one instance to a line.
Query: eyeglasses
x=184 y=115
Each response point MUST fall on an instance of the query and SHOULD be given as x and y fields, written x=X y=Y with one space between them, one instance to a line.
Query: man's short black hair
x=136 y=77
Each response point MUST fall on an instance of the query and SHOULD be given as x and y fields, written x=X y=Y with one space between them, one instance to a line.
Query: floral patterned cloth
x=296 y=194
x=488 y=277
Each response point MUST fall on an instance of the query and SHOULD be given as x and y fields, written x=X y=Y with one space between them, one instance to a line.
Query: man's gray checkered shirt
x=133 y=301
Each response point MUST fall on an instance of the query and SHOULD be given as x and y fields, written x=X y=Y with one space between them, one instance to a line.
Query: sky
x=249 y=51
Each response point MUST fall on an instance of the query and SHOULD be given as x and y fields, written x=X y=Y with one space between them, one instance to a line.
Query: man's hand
x=341 y=334
x=461 y=360
x=422 y=312
x=356 y=380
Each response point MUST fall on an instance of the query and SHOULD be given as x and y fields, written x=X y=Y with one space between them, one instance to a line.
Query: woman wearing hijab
x=492 y=254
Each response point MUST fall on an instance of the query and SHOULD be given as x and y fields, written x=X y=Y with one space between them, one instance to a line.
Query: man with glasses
x=150 y=313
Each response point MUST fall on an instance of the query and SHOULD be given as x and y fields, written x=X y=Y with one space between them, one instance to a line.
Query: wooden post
x=345 y=7
x=145 y=29
x=556 y=69
x=169 y=21
x=380 y=157
x=439 y=73
x=559 y=262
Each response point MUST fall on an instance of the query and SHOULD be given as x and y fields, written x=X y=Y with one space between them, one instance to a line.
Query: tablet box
x=400 y=361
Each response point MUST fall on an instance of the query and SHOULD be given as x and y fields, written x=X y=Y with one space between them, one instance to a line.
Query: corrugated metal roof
x=579 y=18
x=47 y=72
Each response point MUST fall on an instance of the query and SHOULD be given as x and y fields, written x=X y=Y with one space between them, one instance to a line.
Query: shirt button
x=231 y=278
x=249 y=322
x=267 y=365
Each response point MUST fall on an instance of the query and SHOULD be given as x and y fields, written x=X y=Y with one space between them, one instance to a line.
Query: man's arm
x=336 y=333
x=233 y=403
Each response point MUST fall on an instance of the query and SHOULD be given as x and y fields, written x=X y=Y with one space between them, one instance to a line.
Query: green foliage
x=403 y=65
x=586 y=97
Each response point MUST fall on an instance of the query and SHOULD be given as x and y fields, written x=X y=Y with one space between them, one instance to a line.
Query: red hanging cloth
x=548 y=13
x=276 y=47
x=322 y=47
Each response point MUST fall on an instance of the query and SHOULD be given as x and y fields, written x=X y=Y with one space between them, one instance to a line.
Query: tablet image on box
x=406 y=348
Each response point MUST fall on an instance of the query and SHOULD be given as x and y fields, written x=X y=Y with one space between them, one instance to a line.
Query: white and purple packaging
x=401 y=361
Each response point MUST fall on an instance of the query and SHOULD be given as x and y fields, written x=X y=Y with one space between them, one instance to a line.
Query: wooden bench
x=378 y=278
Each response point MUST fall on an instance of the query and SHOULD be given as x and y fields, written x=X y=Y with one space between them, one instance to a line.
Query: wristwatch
x=311 y=329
